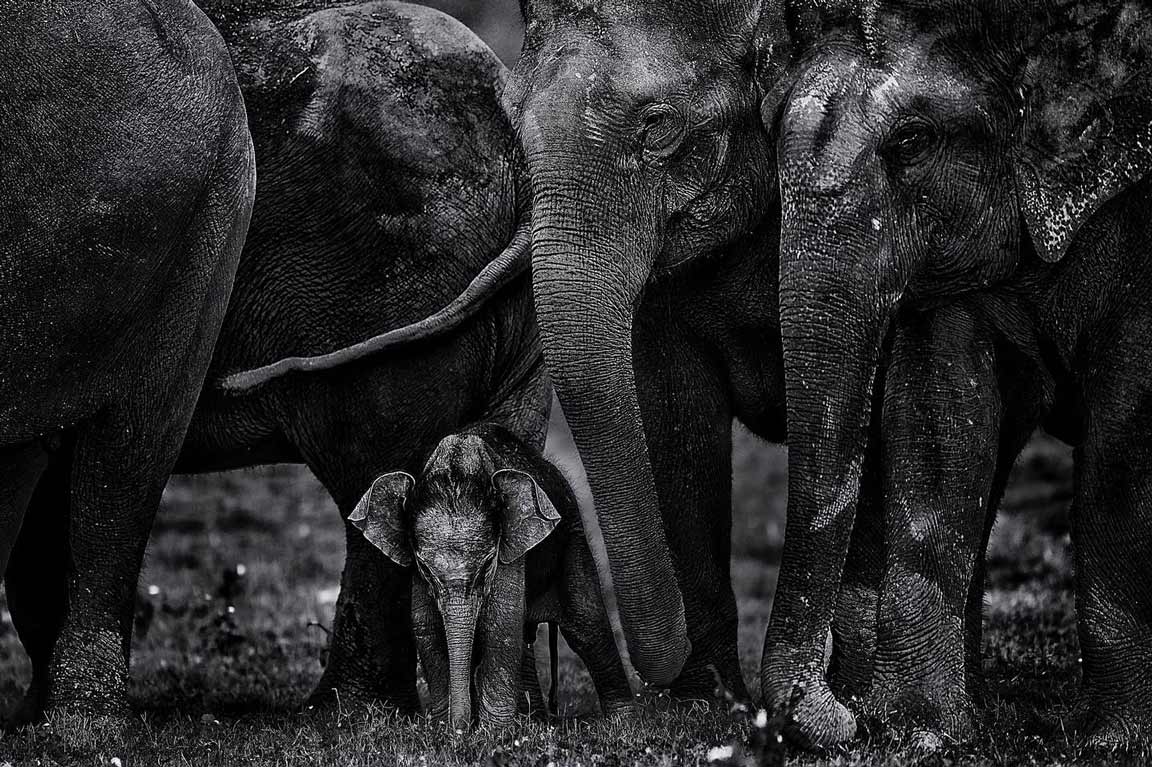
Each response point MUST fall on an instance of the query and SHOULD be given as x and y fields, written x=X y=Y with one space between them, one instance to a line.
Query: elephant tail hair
x=513 y=261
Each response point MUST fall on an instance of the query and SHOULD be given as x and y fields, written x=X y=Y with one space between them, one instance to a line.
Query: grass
x=240 y=585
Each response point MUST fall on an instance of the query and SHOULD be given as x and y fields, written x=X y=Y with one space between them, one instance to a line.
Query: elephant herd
x=898 y=235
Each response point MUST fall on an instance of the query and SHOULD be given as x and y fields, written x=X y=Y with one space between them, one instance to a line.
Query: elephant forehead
x=450 y=539
x=622 y=65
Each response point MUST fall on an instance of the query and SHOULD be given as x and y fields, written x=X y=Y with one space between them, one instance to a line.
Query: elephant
x=654 y=276
x=981 y=168
x=128 y=181
x=655 y=273
x=389 y=200
x=494 y=532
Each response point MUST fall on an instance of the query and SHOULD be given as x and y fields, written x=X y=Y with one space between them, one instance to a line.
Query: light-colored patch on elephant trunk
x=849 y=490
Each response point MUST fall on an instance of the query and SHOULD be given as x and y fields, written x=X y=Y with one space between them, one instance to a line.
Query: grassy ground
x=241 y=580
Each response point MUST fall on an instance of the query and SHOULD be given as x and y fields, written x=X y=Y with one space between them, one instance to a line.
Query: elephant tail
x=553 y=672
x=510 y=264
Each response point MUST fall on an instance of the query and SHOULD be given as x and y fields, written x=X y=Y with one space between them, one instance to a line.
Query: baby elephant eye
x=662 y=128
x=911 y=143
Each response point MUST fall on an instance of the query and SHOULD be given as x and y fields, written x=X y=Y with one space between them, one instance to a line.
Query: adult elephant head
x=926 y=150
x=640 y=126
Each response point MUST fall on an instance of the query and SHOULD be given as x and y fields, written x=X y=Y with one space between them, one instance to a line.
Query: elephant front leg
x=432 y=647
x=688 y=428
x=584 y=621
x=1112 y=539
x=854 y=623
x=36 y=582
x=941 y=436
x=371 y=655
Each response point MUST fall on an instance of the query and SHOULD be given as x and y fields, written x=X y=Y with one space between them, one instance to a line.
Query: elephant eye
x=910 y=143
x=662 y=128
x=429 y=577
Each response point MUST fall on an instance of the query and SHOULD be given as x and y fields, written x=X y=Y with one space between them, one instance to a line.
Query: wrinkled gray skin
x=128 y=177
x=494 y=532
x=655 y=228
x=654 y=277
x=983 y=170
x=387 y=183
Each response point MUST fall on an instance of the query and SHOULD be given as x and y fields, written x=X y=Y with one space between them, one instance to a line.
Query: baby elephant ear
x=528 y=514
x=379 y=515
x=1088 y=127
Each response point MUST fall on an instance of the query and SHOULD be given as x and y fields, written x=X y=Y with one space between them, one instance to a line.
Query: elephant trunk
x=460 y=613
x=592 y=253
x=838 y=285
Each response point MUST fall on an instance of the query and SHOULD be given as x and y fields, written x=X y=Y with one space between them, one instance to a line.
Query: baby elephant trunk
x=460 y=615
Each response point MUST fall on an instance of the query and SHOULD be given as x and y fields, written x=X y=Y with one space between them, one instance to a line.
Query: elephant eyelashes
x=910 y=144
x=429 y=576
x=661 y=129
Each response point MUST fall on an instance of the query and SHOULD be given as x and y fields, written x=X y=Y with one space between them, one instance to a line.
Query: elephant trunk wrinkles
x=591 y=259
x=836 y=296
x=460 y=613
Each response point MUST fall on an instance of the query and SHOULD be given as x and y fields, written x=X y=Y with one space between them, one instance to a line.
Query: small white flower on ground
x=761 y=720
x=115 y=762
x=719 y=752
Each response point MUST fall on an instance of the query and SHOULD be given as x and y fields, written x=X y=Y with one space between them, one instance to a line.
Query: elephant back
x=231 y=15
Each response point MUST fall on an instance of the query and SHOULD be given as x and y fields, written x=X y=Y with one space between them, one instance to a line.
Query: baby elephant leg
x=585 y=624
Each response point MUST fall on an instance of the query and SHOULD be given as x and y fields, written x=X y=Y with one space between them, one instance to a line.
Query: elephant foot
x=89 y=677
x=936 y=714
x=622 y=711
x=815 y=719
x=1118 y=732
x=708 y=682
x=343 y=695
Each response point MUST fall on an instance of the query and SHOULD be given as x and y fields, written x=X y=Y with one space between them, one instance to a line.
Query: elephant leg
x=432 y=647
x=531 y=699
x=371 y=655
x=118 y=473
x=20 y=470
x=36 y=582
x=854 y=622
x=941 y=435
x=584 y=621
x=687 y=419
x=1111 y=532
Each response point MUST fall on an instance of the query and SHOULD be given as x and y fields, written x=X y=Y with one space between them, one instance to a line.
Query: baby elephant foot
x=815 y=719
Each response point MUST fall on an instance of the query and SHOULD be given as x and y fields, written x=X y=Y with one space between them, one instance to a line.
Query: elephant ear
x=1088 y=131
x=380 y=516
x=528 y=514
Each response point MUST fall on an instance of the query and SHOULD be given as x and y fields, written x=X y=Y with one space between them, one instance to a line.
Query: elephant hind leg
x=20 y=470
x=1112 y=529
x=36 y=582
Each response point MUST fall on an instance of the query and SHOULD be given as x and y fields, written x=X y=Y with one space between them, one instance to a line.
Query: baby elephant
x=495 y=533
